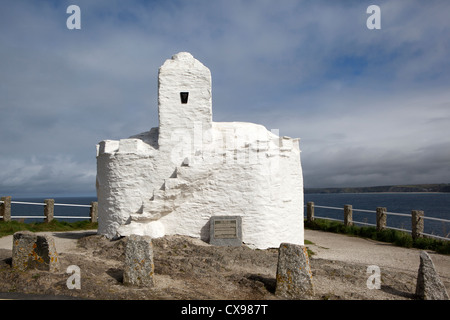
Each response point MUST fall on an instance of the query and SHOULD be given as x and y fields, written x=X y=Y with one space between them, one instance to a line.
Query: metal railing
x=417 y=226
x=48 y=212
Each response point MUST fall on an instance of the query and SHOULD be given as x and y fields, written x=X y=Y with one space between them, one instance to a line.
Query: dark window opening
x=184 y=97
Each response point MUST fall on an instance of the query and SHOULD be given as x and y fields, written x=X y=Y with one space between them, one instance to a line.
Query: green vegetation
x=8 y=228
x=396 y=237
x=310 y=252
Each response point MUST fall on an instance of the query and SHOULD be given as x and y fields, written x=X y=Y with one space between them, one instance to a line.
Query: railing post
x=417 y=224
x=5 y=208
x=310 y=212
x=381 y=218
x=348 y=215
x=94 y=211
x=49 y=210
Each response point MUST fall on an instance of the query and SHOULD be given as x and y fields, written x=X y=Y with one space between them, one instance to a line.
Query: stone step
x=162 y=202
x=153 y=210
x=171 y=183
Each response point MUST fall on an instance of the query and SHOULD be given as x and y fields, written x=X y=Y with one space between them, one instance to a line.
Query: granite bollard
x=294 y=276
x=33 y=251
x=429 y=284
x=139 y=267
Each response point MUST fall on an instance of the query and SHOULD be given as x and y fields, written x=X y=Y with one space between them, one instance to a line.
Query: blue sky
x=372 y=107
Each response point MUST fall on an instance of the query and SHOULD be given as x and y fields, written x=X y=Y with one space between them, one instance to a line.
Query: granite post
x=310 y=211
x=5 y=208
x=94 y=211
x=294 y=276
x=417 y=224
x=33 y=251
x=429 y=284
x=348 y=215
x=139 y=267
x=381 y=218
x=49 y=210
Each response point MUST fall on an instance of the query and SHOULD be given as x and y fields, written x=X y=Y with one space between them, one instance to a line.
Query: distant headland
x=441 y=187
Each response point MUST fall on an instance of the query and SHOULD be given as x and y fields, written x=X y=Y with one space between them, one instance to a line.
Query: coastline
x=420 y=188
x=381 y=192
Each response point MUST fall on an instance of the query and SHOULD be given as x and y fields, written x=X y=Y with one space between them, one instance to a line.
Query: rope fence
x=417 y=219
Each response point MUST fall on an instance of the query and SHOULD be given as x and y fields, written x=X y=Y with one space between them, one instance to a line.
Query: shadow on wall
x=204 y=232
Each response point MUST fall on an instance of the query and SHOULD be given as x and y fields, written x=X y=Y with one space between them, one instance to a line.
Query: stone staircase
x=173 y=193
x=164 y=201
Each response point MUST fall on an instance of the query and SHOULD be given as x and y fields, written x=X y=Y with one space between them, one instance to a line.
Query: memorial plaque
x=226 y=231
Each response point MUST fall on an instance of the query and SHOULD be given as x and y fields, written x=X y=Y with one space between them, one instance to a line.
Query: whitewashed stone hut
x=174 y=178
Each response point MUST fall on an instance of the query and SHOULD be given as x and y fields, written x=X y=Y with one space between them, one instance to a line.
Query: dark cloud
x=371 y=107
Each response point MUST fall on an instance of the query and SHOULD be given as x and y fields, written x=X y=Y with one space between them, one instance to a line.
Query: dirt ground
x=188 y=268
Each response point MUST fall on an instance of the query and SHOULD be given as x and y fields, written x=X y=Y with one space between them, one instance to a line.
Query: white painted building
x=172 y=179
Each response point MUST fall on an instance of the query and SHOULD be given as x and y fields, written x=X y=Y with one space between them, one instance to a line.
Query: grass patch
x=308 y=250
x=10 y=227
x=396 y=237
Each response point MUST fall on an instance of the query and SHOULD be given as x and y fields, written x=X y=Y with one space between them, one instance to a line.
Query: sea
x=435 y=205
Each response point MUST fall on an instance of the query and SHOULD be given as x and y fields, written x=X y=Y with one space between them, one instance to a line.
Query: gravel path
x=345 y=248
x=64 y=241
